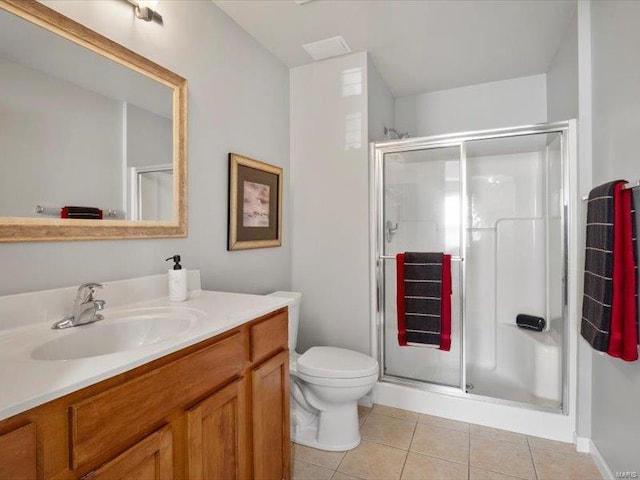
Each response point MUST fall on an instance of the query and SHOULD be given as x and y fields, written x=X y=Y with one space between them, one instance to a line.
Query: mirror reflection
x=80 y=130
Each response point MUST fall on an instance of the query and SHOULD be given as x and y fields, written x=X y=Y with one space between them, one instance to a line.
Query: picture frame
x=255 y=204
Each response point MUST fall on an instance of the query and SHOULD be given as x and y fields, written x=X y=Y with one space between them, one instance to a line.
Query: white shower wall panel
x=481 y=306
x=520 y=267
x=505 y=186
x=501 y=188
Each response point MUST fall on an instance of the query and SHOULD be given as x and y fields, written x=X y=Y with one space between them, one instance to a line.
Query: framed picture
x=255 y=204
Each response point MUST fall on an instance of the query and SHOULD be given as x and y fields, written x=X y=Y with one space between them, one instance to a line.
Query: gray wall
x=47 y=144
x=149 y=138
x=506 y=103
x=381 y=104
x=238 y=102
x=616 y=123
x=562 y=77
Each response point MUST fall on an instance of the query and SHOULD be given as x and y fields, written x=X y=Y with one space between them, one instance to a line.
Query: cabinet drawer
x=112 y=420
x=18 y=454
x=269 y=336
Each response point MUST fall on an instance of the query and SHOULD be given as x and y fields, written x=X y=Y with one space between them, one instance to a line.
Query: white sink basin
x=118 y=332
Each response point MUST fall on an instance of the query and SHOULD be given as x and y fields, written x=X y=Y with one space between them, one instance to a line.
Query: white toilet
x=326 y=384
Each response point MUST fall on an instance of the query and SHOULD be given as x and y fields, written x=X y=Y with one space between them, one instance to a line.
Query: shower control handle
x=390 y=230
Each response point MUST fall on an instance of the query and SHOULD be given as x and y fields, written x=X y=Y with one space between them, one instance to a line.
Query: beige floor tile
x=503 y=457
x=443 y=423
x=343 y=476
x=318 y=457
x=554 y=465
x=388 y=430
x=421 y=467
x=363 y=413
x=497 y=434
x=480 y=474
x=396 y=413
x=441 y=442
x=372 y=461
x=537 y=442
x=307 y=471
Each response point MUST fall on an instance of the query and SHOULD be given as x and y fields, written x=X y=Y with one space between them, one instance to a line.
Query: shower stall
x=500 y=203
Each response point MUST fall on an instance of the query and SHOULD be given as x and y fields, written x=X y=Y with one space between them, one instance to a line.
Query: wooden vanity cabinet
x=216 y=410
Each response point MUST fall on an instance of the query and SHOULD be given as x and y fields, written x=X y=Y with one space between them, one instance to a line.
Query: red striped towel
x=443 y=338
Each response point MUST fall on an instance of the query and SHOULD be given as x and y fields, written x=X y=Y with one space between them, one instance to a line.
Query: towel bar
x=55 y=211
x=628 y=186
x=393 y=257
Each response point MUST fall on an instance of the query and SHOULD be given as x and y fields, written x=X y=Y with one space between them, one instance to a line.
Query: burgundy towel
x=89 y=213
x=447 y=291
x=623 y=335
x=402 y=328
x=424 y=295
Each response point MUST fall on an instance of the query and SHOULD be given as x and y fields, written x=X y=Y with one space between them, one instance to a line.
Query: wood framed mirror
x=80 y=117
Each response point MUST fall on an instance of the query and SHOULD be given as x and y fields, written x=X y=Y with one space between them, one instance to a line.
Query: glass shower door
x=514 y=268
x=422 y=213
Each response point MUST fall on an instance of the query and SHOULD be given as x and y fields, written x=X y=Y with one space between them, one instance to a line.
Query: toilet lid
x=332 y=362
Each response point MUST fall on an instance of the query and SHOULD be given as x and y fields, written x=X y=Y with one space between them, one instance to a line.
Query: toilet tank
x=294 y=315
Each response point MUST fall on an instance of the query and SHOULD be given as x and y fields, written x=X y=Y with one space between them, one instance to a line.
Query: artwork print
x=255 y=210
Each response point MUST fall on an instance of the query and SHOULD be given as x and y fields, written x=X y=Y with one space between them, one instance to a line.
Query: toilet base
x=335 y=430
x=308 y=438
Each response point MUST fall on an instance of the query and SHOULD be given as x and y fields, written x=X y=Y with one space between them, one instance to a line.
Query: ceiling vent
x=330 y=47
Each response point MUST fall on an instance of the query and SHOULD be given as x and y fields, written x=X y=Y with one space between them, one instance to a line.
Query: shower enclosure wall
x=498 y=202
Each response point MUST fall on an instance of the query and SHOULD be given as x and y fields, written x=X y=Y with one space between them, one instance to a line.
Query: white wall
x=238 y=102
x=329 y=156
x=616 y=123
x=562 y=77
x=381 y=104
x=49 y=153
x=506 y=103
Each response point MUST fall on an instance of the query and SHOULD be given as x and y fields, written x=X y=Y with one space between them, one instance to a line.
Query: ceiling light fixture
x=146 y=10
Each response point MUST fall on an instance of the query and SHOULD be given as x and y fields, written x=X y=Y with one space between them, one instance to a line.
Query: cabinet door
x=18 y=454
x=216 y=435
x=270 y=395
x=149 y=459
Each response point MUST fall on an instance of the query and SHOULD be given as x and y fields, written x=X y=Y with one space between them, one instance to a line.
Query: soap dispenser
x=177 y=281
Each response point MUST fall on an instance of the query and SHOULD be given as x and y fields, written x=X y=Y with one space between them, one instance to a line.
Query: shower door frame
x=377 y=242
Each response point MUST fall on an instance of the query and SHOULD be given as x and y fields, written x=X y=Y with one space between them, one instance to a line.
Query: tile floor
x=401 y=445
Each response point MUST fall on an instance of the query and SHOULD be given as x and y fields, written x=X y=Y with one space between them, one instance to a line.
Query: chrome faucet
x=85 y=308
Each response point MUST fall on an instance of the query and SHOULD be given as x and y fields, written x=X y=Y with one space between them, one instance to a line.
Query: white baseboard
x=583 y=444
x=605 y=471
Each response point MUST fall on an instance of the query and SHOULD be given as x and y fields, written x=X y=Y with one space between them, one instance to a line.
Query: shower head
x=400 y=135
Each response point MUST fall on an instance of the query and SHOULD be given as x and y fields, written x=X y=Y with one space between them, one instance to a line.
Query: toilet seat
x=337 y=382
x=335 y=363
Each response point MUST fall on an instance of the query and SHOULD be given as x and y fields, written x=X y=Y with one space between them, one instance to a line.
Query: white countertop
x=27 y=382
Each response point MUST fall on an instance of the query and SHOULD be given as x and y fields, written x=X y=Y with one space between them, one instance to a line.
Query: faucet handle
x=91 y=286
